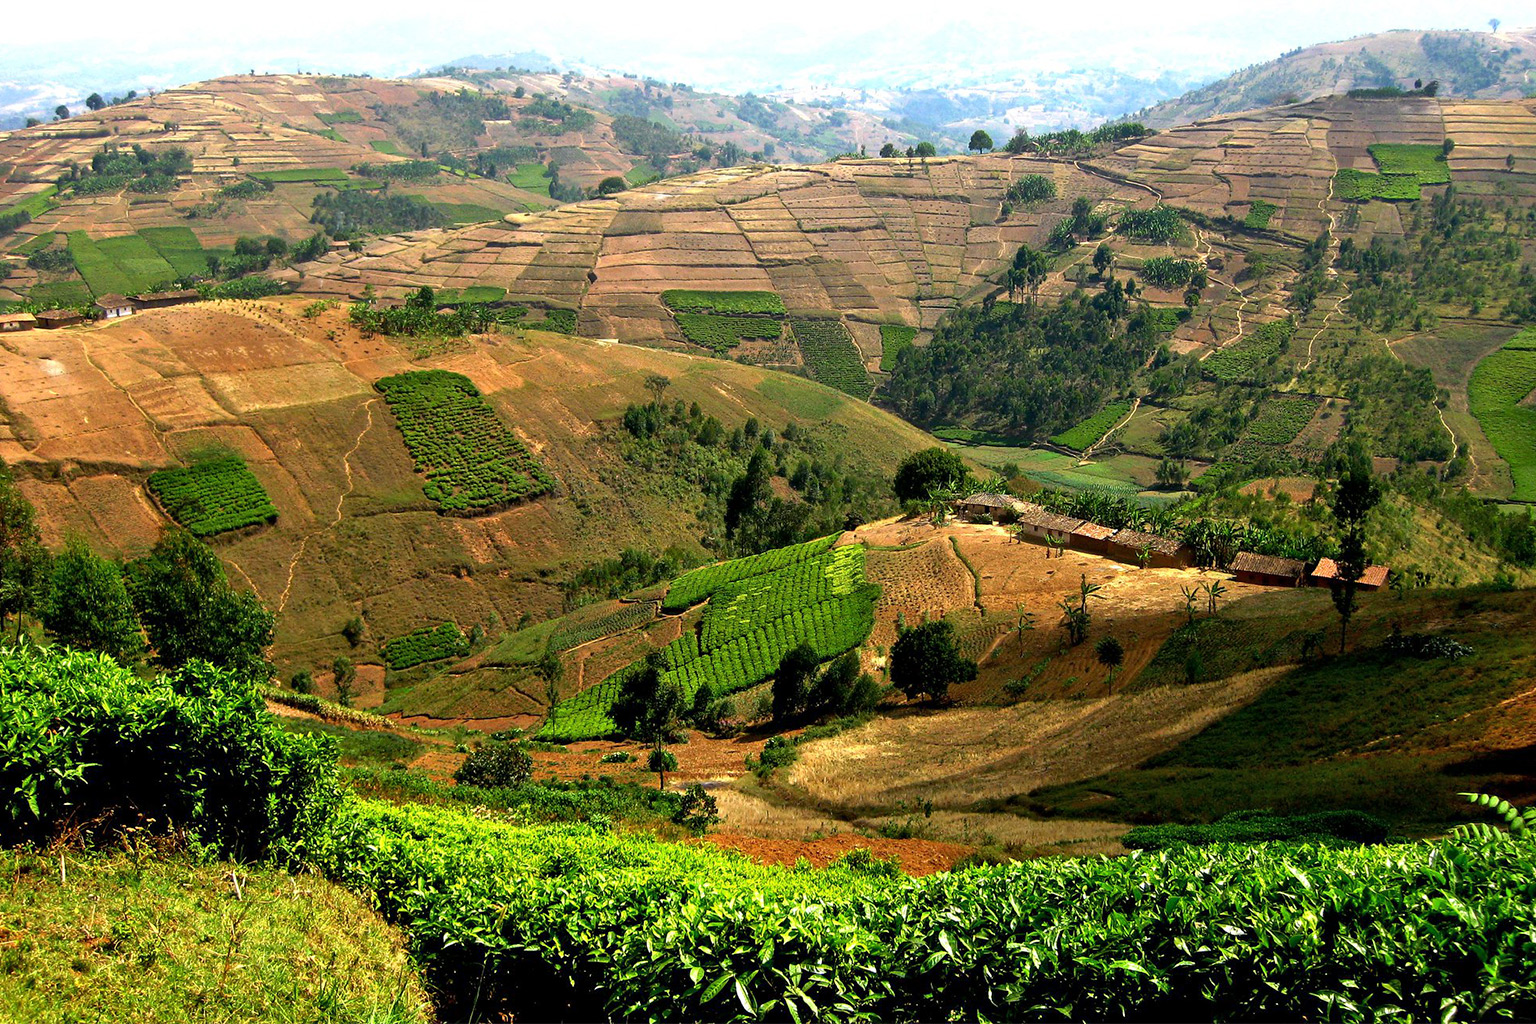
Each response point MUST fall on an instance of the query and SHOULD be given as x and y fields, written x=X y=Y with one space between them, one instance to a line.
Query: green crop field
x=831 y=356
x=641 y=174
x=213 y=495
x=302 y=174
x=1427 y=163
x=1280 y=419
x=759 y=608
x=683 y=300
x=724 y=332
x=35 y=243
x=139 y=261
x=630 y=616
x=968 y=435
x=1499 y=384
x=1259 y=213
x=893 y=339
x=470 y=213
x=389 y=146
x=472 y=462
x=1092 y=428
x=57 y=294
x=35 y=205
x=474 y=293
x=340 y=117
x=180 y=248
x=429 y=643
x=1360 y=186
x=100 y=270
x=531 y=178
x=1245 y=361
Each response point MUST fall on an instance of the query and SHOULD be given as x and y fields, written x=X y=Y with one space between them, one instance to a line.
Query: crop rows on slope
x=1280 y=419
x=1427 y=163
x=692 y=587
x=684 y=300
x=720 y=333
x=1499 y=384
x=472 y=462
x=1245 y=360
x=628 y=617
x=429 y=643
x=831 y=356
x=213 y=495
x=1091 y=429
x=575 y=922
x=750 y=624
x=1361 y=186
x=894 y=338
x=1259 y=213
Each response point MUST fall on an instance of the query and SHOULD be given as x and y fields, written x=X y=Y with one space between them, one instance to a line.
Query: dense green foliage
x=926 y=660
x=404 y=170
x=90 y=745
x=1499 y=386
x=724 y=332
x=681 y=300
x=893 y=339
x=1024 y=370
x=1426 y=162
x=88 y=606
x=494 y=766
x=190 y=612
x=472 y=462
x=213 y=495
x=1254 y=358
x=571 y=923
x=831 y=356
x=931 y=471
x=1032 y=188
x=1261 y=827
x=357 y=212
x=1168 y=271
x=1259 y=213
x=760 y=608
x=138 y=169
x=429 y=643
x=1362 y=186
x=1092 y=428
x=1158 y=225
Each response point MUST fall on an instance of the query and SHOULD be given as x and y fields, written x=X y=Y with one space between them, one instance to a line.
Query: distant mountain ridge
x=1474 y=65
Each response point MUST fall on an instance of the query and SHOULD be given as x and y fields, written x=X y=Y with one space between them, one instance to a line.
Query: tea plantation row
x=473 y=463
x=574 y=923
x=213 y=495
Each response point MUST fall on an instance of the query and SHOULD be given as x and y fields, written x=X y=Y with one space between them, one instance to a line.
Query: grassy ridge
x=122 y=938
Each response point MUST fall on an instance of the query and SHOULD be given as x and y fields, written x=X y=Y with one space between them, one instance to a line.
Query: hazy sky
x=718 y=44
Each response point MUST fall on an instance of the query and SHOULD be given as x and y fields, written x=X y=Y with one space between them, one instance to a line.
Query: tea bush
x=88 y=744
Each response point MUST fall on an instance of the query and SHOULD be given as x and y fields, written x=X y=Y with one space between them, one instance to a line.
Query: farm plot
x=472 y=462
x=1259 y=213
x=751 y=622
x=212 y=496
x=630 y=616
x=695 y=586
x=721 y=333
x=893 y=339
x=290 y=175
x=1363 y=186
x=179 y=248
x=682 y=300
x=101 y=272
x=831 y=356
x=1245 y=361
x=1500 y=385
x=1280 y=419
x=429 y=643
x=1091 y=429
x=1427 y=163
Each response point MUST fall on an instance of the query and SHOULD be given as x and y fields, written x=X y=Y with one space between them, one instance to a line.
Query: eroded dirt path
x=346 y=463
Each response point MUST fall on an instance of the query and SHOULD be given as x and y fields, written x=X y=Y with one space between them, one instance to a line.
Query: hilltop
x=1468 y=65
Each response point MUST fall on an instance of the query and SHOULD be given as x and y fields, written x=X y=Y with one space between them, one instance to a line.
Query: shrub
x=494 y=766
x=90 y=745
x=697 y=811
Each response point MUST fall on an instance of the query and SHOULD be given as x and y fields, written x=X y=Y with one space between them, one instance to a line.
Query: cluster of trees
x=922 y=151
x=175 y=603
x=357 y=212
x=1075 y=142
x=548 y=116
x=420 y=317
x=138 y=168
x=1023 y=370
x=687 y=453
x=654 y=142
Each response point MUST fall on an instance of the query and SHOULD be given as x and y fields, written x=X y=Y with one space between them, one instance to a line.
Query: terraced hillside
x=92 y=412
